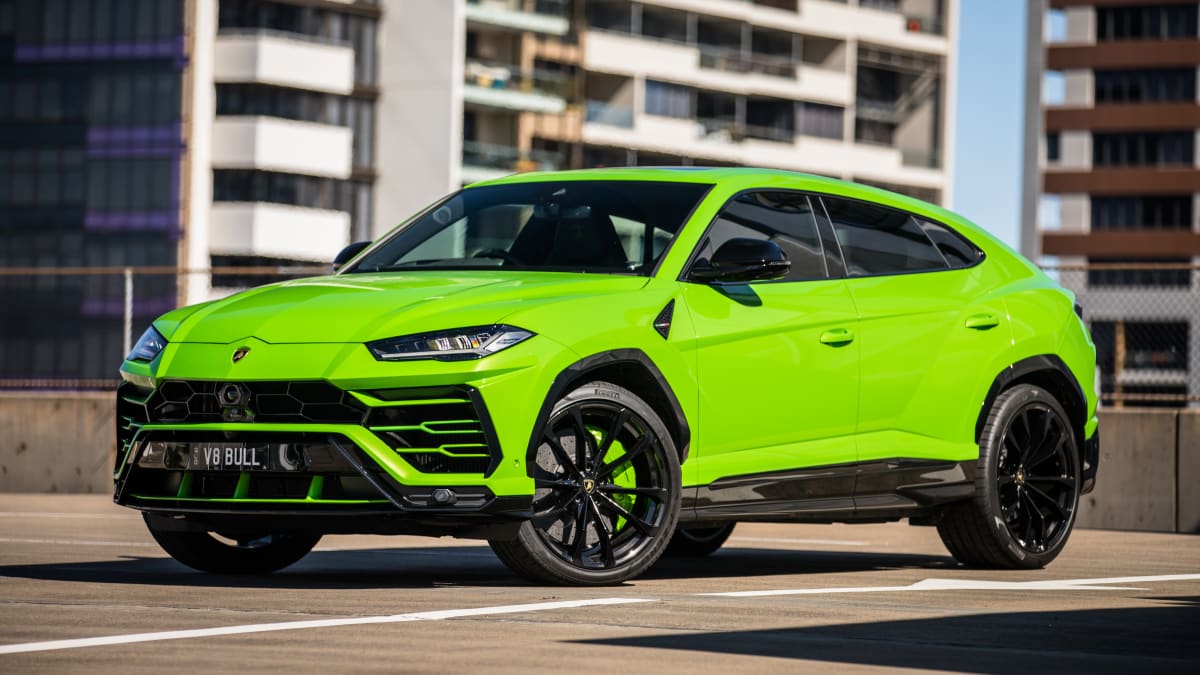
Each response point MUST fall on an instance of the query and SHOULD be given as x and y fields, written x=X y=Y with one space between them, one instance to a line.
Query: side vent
x=662 y=322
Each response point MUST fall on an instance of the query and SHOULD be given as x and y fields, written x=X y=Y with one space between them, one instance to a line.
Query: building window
x=816 y=119
x=1143 y=86
x=1138 y=274
x=1161 y=22
x=1134 y=213
x=245 y=185
x=1053 y=146
x=668 y=100
x=1166 y=148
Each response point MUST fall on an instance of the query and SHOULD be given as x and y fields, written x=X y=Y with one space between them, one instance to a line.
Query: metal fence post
x=128 y=311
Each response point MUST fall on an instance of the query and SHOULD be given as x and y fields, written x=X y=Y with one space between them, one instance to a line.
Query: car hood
x=362 y=307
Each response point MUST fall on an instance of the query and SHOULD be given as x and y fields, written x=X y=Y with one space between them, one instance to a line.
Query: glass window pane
x=878 y=240
x=785 y=218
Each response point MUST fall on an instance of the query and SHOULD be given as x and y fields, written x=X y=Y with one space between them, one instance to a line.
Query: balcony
x=735 y=132
x=600 y=112
x=284 y=59
x=277 y=231
x=735 y=61
x=505 y=86
x=274 y=144
x=484 y=161
x=537 y=16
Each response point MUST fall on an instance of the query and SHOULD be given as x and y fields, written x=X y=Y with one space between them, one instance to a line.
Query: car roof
x=742 y=178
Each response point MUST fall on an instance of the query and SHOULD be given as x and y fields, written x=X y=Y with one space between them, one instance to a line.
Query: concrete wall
x=52 y=442
x=1149 y=459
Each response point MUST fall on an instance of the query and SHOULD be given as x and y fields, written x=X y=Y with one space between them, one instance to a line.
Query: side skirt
x=879 y=490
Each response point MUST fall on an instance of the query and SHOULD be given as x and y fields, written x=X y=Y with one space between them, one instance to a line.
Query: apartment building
x=1120 y=183
x=860 y=90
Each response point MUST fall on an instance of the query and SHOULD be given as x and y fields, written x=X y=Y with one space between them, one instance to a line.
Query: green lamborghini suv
x=590 y=369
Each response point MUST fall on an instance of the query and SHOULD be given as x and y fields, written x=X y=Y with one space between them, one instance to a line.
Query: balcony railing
x=599 y=112
x=559 y=8
x=228 y=31
x=496 y=156
x=507 y=76
x=733 y=60
x=737 y=132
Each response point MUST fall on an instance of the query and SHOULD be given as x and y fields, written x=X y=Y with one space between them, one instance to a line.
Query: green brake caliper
x=624 y=475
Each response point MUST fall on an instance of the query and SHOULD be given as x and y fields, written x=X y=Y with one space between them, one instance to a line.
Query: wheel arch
x=628 y=368
x=1049 y=372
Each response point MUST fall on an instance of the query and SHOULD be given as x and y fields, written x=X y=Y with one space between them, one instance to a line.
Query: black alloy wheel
x=1026 y=486
x=606 y=478
x=1036 y=480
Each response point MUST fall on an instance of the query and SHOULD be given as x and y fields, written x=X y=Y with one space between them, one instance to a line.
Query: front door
x=777 y=360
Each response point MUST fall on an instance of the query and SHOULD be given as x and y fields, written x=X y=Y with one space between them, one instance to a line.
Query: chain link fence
x=69 y=328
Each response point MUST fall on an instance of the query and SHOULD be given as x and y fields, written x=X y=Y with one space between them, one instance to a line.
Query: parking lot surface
x=83 y=587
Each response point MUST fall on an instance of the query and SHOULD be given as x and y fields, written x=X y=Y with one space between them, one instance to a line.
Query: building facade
x=187 y=135
x=92 y=143
x=1120 y=184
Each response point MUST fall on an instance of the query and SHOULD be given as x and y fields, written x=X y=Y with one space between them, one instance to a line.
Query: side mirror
x=347 y=254
x=743 y=260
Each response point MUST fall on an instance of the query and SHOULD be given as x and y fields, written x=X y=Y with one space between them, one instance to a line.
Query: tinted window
x=785 y=218
x=957 y=251
x=877 y=240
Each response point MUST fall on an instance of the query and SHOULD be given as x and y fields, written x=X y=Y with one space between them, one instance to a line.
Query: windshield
x=580 y=226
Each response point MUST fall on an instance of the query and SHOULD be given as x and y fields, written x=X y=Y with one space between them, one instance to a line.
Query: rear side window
x=878 y=240
x=785 y=218
x=957 y=251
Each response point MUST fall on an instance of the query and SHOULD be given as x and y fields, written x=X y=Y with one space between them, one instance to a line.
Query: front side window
x=577 y=226
x=785 y=218
x=878 y=240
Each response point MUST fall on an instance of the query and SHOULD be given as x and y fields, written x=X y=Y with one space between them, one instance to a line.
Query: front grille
x=197 y=402
x=436 y=430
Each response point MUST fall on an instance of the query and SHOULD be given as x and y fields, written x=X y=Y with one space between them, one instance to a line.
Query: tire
x=1026 y=486
x=607 y=486
x=245 y=555
x=694 y=542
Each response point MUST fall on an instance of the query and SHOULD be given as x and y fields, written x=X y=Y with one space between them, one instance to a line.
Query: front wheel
x=607 y=485
x=239 y=554
x=1026 y=486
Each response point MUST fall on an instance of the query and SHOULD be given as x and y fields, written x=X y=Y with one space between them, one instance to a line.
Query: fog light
x=443 y=496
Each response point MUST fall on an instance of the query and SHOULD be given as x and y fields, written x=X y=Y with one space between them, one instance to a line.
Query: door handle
x=837 y=336
x=982 y=321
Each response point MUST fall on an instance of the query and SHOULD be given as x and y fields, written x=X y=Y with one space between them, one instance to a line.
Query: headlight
x=148 y=346
x=449 y=345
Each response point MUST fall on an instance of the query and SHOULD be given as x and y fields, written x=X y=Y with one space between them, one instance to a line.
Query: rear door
x=777 y=360
x=929 y=325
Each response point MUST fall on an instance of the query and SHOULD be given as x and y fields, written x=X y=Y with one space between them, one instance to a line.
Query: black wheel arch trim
x=1089 y=447
x=577 y=373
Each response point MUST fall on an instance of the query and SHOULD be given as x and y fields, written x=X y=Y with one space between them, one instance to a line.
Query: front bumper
x=416 y=460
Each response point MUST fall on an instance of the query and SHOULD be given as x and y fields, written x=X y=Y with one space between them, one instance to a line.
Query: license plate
x=235 y=457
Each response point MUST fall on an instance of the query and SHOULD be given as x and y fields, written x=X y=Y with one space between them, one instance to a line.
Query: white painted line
x=436 y=615
x=805 y=542
x=74 y=542
x=1103 y=584
x=62 y=514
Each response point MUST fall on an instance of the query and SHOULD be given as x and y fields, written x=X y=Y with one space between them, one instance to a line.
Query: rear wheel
x=607 y=486
x=235 y=554
x=693 y=542
x=1026 y=486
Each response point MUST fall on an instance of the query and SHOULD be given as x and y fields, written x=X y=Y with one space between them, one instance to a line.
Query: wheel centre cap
x=589 y=484
x=1020 y=477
